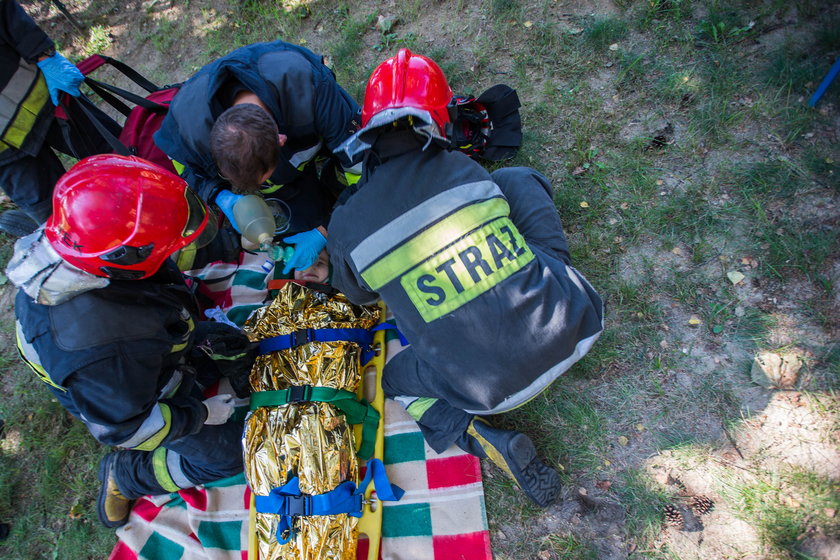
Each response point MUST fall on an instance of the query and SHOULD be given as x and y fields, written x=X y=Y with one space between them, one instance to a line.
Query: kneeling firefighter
x=105 y=319
x=474 y=266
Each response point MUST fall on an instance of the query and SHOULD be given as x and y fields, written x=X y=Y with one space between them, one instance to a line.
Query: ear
x=281 y=139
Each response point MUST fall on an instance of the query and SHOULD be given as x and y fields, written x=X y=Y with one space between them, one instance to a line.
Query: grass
x=643 y=502
x=602 y=32
x=774 y=505
x=749 y=172
x=43 y=444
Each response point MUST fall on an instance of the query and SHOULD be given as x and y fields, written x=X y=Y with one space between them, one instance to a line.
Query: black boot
x=17 y=223
x=514 y=453
x=113 y=508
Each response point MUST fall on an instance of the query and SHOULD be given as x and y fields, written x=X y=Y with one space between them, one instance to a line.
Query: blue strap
x=288 y=502
x=369 y=352
x=385 y=491
x=362 y=337
x=389 y=326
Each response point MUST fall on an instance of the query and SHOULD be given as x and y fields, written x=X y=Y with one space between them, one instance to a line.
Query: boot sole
x=540 y=482
x=17 y=223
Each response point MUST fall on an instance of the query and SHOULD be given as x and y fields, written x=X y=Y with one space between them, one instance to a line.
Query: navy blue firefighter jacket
x=113 y=356
x=301 y=93
x=475 y=268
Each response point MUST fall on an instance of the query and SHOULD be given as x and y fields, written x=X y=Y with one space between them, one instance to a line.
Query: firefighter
x=474 y=266
x=32 y=76
x=106 y=321
x=255 y=121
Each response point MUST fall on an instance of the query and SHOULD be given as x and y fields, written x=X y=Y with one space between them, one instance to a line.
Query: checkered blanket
x=440 y=517
x=204 y=523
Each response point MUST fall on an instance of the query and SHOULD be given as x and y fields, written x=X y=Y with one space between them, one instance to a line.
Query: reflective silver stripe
x=355 y=169
x=305 y=155
x=27 y=349
x=172 y=386
x=407 y=225
x=547 y=378
x=173 y=465
x=153 y=424
x=15 y=92
x=405 y=401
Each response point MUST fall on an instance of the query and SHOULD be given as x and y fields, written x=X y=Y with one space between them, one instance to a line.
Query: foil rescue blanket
x=310 y=440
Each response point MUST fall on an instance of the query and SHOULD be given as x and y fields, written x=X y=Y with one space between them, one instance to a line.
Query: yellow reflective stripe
x=162 y=472
x=432 y=240
x=27 y=113
x=153 y=442
x=190 y=328
x=37 y=368
x=419 y=407
x=179 y=167
x=466 y=269
x=352 y=178
x=185 y=257
x=269 y=188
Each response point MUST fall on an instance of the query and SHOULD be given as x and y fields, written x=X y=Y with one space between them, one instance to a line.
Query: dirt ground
x=763 y=423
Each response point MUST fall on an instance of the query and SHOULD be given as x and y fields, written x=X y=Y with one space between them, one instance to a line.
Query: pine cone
x=701 y=505
x=673 y=516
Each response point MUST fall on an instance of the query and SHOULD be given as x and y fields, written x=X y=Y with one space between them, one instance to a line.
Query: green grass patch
x=601 y=32
x=506 y=9
x=786 y=508
x=565 y=425
x=644 y=502
x=48 y=479
x=253 y=21
x=568 y=547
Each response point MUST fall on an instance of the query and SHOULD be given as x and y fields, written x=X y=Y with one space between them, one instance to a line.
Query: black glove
x=223 y=351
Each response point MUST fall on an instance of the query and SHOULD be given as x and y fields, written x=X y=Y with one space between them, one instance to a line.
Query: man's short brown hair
x=244 y=144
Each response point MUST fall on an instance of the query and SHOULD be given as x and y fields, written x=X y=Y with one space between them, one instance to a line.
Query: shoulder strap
x=76 y=108
x=93 y=62
x=103 y=90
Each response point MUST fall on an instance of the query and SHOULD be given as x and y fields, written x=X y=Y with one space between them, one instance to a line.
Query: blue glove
x=308 y=246
x=61 y=75
x=226 y=200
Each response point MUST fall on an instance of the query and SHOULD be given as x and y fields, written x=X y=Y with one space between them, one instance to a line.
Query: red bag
x=142 y=120
x=142 y=124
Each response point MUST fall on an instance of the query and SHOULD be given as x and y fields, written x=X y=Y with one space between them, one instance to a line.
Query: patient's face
x=318 y=272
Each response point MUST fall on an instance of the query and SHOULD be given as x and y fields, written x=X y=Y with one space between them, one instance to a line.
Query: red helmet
x=408 y=80
x=121 y=217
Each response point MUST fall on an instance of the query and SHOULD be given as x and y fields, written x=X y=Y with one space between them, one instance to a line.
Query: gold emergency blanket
x=310 y=440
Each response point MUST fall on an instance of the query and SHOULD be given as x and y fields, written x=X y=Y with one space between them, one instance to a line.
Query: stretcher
x=369 y=525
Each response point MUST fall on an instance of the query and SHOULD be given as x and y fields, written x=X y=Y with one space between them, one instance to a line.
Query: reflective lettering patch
x=466 y=269
x=433 y=239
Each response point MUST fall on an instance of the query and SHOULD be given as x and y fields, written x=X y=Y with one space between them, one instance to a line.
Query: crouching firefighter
x=105 y=319
x=474 y=266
